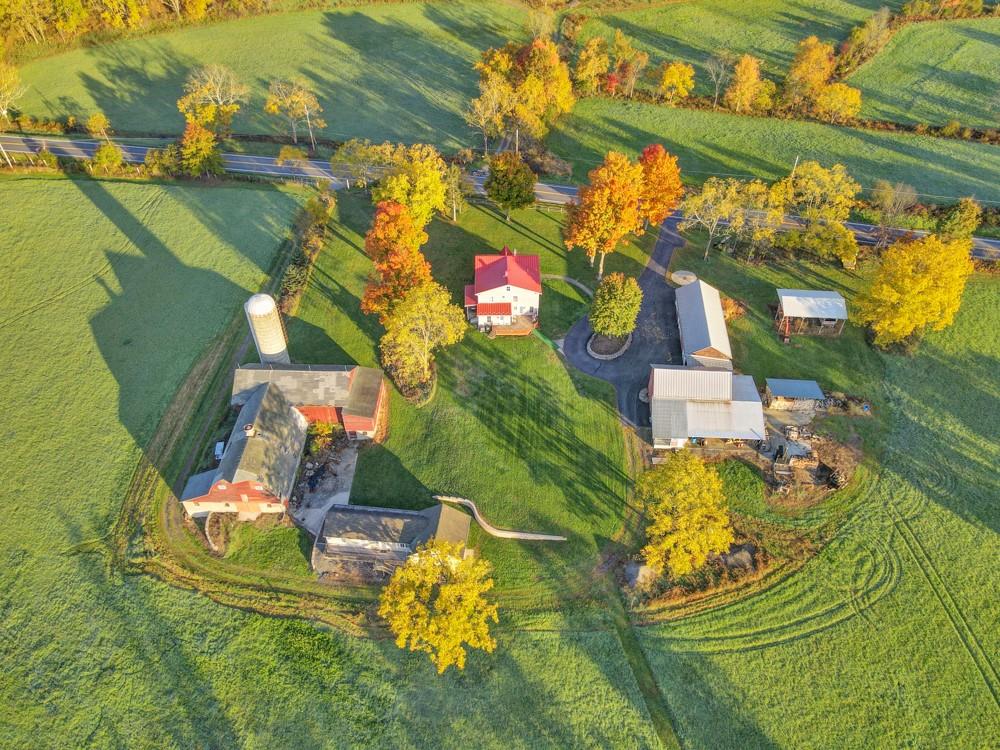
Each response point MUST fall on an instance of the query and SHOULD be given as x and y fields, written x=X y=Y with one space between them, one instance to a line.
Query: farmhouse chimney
x=249 y=430
x=267 y=329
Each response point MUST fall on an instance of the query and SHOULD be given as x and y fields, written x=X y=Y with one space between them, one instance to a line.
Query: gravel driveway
x=655 y=340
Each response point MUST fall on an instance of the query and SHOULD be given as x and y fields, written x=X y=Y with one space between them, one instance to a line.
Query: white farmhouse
x=504 y=298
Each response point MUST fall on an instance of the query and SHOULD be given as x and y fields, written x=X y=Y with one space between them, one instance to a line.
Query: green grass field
x=768 y=29
x=708 y=143
x=935 y=72
x=397 y=71
x=524 y=423
x=887 y=637
x=105 y=310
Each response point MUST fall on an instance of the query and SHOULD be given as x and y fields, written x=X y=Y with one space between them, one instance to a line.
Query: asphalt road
x=982 y=248
x=655 y=340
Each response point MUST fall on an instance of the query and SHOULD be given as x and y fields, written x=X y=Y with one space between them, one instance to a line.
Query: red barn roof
x=507 y=269
x=493 y=308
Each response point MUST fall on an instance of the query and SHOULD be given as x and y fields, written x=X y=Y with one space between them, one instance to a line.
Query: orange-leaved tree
x=661 y=184
x=607 y=209
x=393 y=243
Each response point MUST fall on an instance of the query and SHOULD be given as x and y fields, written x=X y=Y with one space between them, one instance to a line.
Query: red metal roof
x=493 y=308
x=470 y=295
x=507 y=269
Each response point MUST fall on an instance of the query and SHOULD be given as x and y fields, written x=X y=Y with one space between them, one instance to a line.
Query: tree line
x=40 y=22
x=615 y=69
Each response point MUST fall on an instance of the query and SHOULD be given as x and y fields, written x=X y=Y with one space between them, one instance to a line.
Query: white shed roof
x=673 y=382
x=701 y=320
x=811 y=303
x=705 y=404
x=795 y=388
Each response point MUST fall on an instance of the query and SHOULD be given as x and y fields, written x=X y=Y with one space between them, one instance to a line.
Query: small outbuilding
x=792 y=395
x=810 y=312
x=365 y=543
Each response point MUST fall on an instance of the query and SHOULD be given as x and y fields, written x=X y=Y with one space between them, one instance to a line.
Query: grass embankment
x=536 y=445
x=716 y=143
x=400 y=72
x=885 y=637
x=933 y=73
x=767 y=29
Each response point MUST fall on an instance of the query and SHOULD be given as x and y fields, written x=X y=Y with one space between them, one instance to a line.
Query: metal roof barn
x=702 y=324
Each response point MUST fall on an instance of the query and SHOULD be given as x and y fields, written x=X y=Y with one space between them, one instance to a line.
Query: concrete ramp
x=524 y=536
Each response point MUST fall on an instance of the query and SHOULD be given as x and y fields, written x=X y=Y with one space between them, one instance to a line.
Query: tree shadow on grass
x=155 y=301
x=130 y=86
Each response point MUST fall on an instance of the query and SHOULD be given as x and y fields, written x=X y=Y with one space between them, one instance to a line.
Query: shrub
x=951 y=129
x=163 y=162
x=48 y=159
x=322 y=436
x=543 y=161
x=616 y=306
x=108 y=158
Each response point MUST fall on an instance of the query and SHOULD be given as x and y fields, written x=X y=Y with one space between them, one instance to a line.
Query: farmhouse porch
x=520 y=325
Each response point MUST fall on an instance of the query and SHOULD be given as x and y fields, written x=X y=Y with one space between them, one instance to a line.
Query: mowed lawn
x=767 y=29
x=395 y=71
x=887 y=637
x=536 y=445
x=716 y=143
x=933 y=73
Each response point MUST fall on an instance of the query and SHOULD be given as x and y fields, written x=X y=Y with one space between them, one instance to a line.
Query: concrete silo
x=267 y=329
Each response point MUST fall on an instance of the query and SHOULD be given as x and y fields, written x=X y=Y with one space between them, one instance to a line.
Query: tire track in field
x=60 y=295
x=963 y=630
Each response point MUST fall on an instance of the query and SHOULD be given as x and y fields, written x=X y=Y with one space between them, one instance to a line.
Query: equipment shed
x=810 y=312
x=792 y=395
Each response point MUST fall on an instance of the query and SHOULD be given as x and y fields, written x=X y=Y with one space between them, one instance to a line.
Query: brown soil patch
x=607 y=345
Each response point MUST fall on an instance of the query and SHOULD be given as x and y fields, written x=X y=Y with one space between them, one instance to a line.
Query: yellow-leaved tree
x=424 y=320
x=746 y=87
x=212 y=97
x=918 y=287
x=436 y=603
x=686 y=512
x=675 y=80
x=809 y=73
x=415 y=179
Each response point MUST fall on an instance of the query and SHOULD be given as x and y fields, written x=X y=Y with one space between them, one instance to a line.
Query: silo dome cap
x=260 y=304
